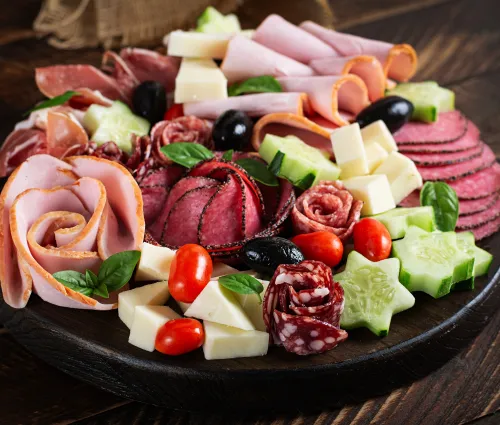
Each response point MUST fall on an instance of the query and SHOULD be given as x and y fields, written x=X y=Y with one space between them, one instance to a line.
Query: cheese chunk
x=218 y=304
x=225 y=342
x=199 y=79
x=154 y=294
x=253 y=307
x=375 y=155
x=154 y=263
x=147 y=322
x=374 y=191
x=183 y=306
x=194 y=44
x=379 y=133
x=349 y=151
x=402 y=174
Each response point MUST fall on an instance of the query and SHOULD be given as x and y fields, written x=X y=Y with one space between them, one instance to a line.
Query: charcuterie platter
x=254 y=217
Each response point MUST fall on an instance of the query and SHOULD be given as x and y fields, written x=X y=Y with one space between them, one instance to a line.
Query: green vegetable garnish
x=55 y=101
x=258 y=171
x=242 y=284
x=187 y=154
x=264 y=84
x=444 y=200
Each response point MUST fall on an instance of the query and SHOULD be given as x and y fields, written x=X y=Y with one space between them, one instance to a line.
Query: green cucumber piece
x=298 y=162
x=431 y=262
x=372 y=293
x=428 y=99
x=211 y=21
x=399 y=219
x=482 y=258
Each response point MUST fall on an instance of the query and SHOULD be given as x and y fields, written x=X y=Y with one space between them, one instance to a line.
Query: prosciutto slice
x=246 y=58
x=399 y=61
x=19 y=145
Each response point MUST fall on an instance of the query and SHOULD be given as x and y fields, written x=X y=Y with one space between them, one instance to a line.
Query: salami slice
x=445 y=158
x=476 y=220
x=478 y=185
x=486 y=229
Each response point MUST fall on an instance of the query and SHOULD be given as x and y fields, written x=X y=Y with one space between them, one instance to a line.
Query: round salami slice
x=476 y=220
x=445 y=158
x=478 y=185
x=486 y=229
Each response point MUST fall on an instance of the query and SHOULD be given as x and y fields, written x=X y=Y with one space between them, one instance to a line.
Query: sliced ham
x=20 y=145
x=64 y=134
x=246 y=58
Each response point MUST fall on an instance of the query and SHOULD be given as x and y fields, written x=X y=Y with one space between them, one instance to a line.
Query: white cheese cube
x=349 y=151
x=375 y=155
x=218 y=304
x=379 y=133
x=253 y=307
x=199 y=79
x=225 y=342
x=194 y=44
x=183 y=306
x=147 y=322
x=154 y=294
x=374 y=191
x=402 y=174
x=154 y=263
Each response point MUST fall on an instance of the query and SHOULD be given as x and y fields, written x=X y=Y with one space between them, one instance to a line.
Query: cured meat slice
x=246 y=58
x=120 y=71
x=288 y=39
x=445 y=158
x=368 y=68
x=19 y=146
x=486 y=229
x=64 y=134
x=87 y=97
x=336 y=98
x=255 y=105
x=476 y=220
x=478 y=185
x=399 y=61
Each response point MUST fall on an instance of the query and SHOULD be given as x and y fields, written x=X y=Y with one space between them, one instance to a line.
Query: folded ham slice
x=64 y=134
x=399 y=61
x=336 y=98
x=57 y=215
x=18 y=146
x=246 y=58
x=255 y=105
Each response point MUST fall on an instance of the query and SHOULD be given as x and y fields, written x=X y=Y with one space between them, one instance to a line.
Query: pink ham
x=288 y=39
x=64 y=134
x=399 y=61
x=336 y=98
x=246 y=58
x=255 y=105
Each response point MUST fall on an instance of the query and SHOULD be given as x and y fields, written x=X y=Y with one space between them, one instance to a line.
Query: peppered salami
x=478 y=185
x=476 y=220
x=487 y=229
x=445 y=158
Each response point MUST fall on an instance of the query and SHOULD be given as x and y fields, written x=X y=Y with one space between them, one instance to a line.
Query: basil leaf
x=258 y=171
x=306 y=181
x=74 y=280
x=263 y=84
x=444 y=200
x=55 y=101
x=187 y=154
x=102 y=291
x=117 y=270
x=228 y=155
x=242 y=284
x=275 y=165
x=91 y=279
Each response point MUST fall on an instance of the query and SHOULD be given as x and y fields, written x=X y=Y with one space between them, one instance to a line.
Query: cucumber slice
x=298 y=162
x=211 y=21
x=431 y=262
x=428 y=99
x=399 y=219
x=372 y=293
x=482 y=258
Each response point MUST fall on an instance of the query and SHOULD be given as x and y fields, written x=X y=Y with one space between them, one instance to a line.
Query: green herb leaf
x=242 y=284
x=102 y=291
x=258 y=171
x=275 y=165
x=187 y=154
x=74 y=280
x=117 y=270
x=444 y=200
x=263 y=84
x=55 y=101
x=306 y=181
x=91 y=279
x=228 y=155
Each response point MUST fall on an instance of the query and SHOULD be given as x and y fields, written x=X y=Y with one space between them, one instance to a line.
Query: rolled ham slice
x=399 y=61
x=288 y=39
x=246 y=58
x=336 y=98
x=255 y=105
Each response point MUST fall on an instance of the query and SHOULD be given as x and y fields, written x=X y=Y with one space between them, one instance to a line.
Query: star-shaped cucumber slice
x=373 y=293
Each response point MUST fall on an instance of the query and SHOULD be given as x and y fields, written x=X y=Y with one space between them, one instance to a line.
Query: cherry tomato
x=190 y=272
x=320 y=246
x=175 y=111
x=372 y=240
x=179 y=336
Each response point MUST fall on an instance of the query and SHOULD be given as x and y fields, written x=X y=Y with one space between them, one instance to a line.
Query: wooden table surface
x=458 y=44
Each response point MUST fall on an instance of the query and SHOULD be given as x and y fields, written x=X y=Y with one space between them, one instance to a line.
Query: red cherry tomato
x=372 y=240
x=179 y=336
x=175 y=111
x=320 y=246
x=190 y=272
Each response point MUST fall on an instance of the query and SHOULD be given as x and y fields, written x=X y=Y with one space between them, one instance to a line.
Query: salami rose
x=326 y=207
x=302 y=308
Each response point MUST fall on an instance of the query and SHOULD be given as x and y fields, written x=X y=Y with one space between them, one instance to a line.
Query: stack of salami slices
x=451 y=150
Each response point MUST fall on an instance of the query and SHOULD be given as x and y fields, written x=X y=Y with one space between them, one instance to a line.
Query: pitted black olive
x=150 y=101
x=232 y=130
x=395 y=111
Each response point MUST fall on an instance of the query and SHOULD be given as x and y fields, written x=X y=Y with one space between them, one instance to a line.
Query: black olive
x=266 y=254
x=395 y=111
x=232 y=130
x=150 y=101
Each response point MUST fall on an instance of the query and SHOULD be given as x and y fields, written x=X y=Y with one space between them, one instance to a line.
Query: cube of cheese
x=375 y=155
x=225 y=342
x=199 y=79
x=349 y=151
x=218 y=304
x=147 y=322
x=402 y=174
x=374 y=191
x=192 y=44
x=154 y=263
x=379 y=133
x=154 y=294
x=253 y=307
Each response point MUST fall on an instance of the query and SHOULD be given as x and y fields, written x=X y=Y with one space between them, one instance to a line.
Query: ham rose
x=326 y=207
x=65 y=215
